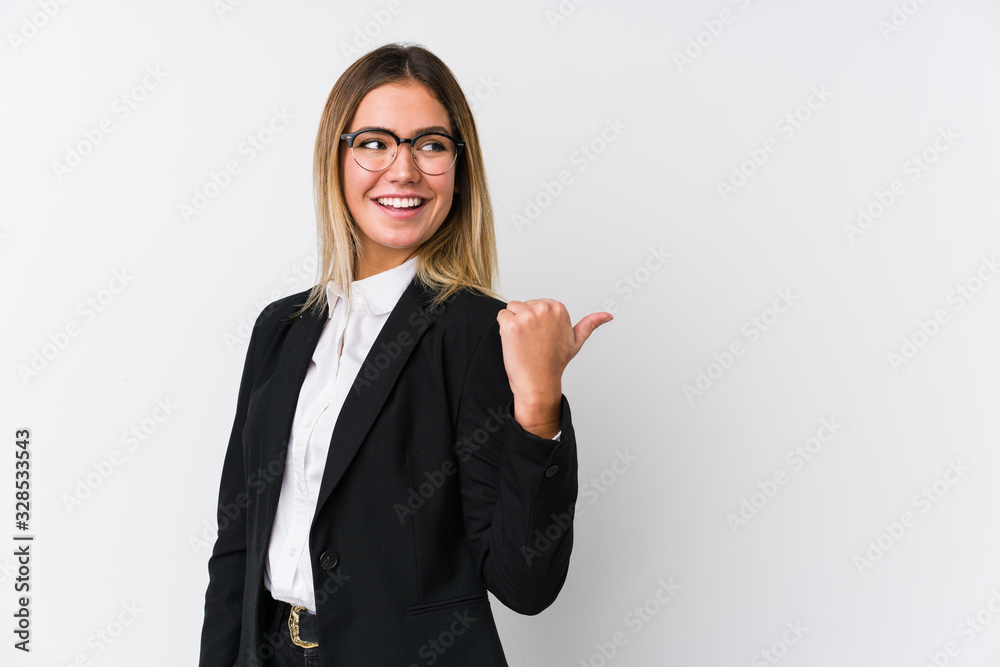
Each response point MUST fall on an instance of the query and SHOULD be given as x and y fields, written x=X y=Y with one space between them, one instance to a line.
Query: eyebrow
x=419 y=130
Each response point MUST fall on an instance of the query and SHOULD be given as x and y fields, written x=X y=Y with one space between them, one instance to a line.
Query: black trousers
x=275 y=648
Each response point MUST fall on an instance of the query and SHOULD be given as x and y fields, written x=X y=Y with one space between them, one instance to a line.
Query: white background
x=819 y=554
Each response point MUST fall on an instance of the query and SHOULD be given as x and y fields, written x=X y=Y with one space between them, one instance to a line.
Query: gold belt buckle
x=293 y=627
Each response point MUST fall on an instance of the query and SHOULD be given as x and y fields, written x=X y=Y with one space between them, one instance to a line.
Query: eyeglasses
x=375 y=150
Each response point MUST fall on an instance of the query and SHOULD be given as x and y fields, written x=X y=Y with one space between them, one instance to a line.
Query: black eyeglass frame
x=351 y=136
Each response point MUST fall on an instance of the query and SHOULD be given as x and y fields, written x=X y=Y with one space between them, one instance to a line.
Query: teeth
x=396 y=202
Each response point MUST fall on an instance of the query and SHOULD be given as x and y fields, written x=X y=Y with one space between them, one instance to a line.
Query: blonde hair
x=462 y=252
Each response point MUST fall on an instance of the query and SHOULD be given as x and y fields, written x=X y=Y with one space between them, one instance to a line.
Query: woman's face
x=390 y=236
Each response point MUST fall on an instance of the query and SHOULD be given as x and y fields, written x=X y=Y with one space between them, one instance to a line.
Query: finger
x=588 y=325
x=532 y=304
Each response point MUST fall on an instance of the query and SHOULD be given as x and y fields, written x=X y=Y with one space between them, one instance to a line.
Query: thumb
x=588 y=324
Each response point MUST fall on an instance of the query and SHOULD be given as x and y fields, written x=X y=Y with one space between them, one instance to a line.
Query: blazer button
x=551 y=471
x=328 y=560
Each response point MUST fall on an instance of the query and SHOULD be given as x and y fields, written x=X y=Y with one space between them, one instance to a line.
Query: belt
x=301 y=624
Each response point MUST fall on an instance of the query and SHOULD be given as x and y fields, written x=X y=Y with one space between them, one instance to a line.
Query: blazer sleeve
x=220 y=634
x=518 y=490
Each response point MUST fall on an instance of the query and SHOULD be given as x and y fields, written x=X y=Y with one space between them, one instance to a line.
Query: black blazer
x=432 y=494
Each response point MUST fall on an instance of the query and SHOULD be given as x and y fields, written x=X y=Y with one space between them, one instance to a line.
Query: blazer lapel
x=281 y=395
x=407 y=322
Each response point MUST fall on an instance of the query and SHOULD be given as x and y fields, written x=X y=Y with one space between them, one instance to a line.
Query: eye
x=432 y=145
x=373 y=145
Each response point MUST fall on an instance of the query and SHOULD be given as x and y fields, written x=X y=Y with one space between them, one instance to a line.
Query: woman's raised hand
x=538 y=341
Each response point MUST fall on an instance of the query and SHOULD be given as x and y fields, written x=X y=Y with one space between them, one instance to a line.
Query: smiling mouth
x=401 y=203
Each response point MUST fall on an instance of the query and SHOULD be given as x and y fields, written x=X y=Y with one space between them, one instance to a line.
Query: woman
x=401 y=442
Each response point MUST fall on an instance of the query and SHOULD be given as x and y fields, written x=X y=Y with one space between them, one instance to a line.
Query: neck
x=367 y=267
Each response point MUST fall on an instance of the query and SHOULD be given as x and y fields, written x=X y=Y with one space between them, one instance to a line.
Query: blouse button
x=551 y=471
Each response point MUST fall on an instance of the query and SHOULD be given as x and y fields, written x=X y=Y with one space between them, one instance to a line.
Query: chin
x=399 y=241
x=399 y=238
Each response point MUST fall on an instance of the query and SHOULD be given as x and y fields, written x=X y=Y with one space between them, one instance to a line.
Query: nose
x=403 y=167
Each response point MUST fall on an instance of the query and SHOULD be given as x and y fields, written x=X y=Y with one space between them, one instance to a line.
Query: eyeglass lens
x=433 y=153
